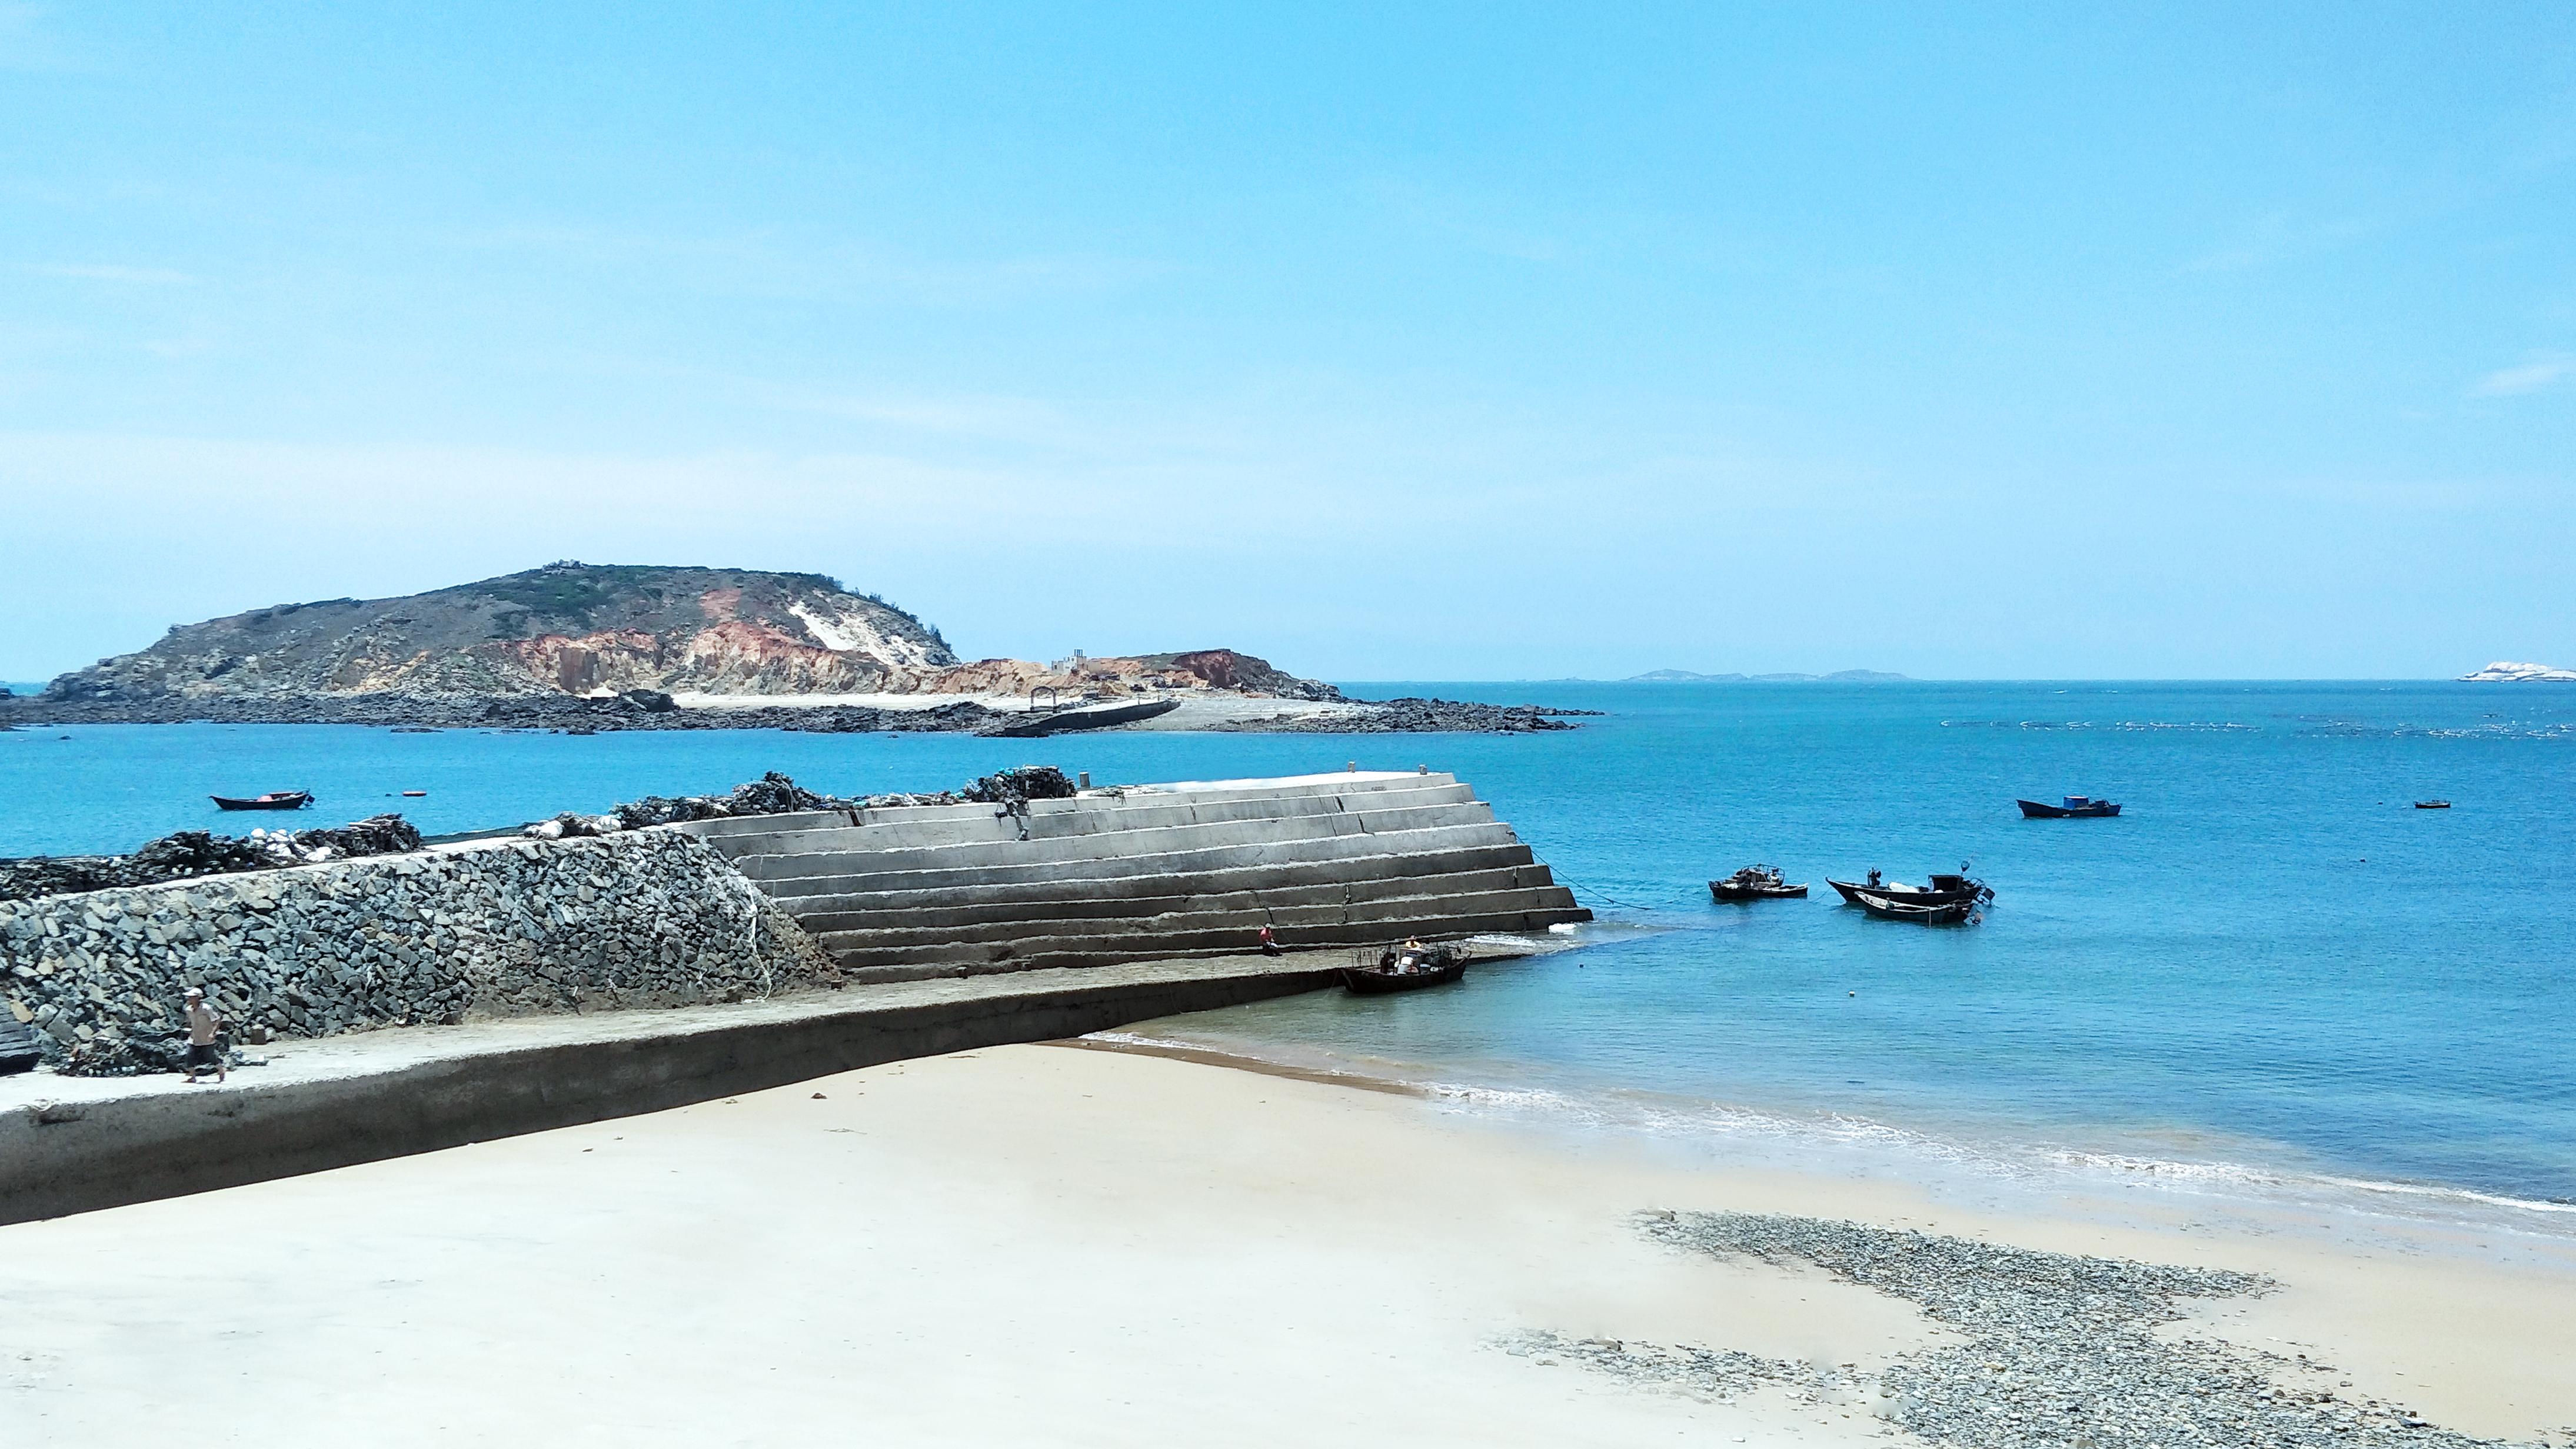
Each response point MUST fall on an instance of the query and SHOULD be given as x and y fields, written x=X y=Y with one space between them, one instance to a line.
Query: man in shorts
x=203 y=1027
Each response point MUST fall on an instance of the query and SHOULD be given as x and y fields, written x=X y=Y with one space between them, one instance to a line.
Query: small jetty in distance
x=1091 y=715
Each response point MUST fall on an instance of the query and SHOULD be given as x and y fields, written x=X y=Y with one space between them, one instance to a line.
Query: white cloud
x=2544 y=370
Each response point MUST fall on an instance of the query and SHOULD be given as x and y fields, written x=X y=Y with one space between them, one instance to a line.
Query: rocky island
x=589 y=647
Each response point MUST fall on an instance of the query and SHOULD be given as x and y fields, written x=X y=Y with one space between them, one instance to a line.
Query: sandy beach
x=1051 y=1245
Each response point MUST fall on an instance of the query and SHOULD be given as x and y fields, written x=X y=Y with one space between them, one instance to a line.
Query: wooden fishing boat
x=1410 y=968
x=2077 y=807
x=1756 y=883
x=273 y=800
x=2432 y=804
x=1957 y=913
x=1945 y=890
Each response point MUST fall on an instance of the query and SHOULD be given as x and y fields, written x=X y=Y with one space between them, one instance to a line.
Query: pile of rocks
x=2052 y=1349
x=1015 y=788
x=648 y=918
x=189 y=853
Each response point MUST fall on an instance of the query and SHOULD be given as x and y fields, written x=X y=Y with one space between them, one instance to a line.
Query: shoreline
x=1208 y=711
x=2115 y=1185
x=1021 y=1244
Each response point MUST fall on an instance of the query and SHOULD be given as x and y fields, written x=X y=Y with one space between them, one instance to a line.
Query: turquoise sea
x=2271 y=972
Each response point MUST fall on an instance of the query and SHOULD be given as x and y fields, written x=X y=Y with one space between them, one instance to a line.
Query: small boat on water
x=1410 y=967
x=2432 y=804
x=273 y=800
x=1945 y=890
x=2077 y=807
x=1756 y=883
x=414 y=794
x=1956 y=913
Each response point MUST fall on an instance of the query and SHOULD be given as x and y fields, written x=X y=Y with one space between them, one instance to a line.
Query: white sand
x=1044 y=1245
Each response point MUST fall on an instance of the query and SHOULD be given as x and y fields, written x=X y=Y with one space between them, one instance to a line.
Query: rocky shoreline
x=650 y=710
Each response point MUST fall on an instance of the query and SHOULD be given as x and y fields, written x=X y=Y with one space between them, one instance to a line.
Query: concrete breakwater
x=497 y=928
x=753 y=906
x=1111 y=907
x=1146 y=871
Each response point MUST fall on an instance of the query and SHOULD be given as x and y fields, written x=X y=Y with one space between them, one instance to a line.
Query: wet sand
x=1041 y=1245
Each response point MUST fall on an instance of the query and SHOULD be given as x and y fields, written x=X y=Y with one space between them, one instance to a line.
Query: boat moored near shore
x=273 y=800
x=2076 y=807
x=1409 y=968
x=1757 y=883
x=1954 y=913
x=1946 y=889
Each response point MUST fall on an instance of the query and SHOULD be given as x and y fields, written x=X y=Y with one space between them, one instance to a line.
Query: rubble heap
x=186 y=854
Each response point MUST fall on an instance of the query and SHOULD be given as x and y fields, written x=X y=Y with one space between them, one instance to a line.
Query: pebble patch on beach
x=2056 y=1350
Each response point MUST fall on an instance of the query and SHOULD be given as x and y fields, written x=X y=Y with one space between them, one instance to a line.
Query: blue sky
x=1419 y=342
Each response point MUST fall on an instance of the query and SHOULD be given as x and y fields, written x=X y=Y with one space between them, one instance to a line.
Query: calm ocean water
x=2271 y=965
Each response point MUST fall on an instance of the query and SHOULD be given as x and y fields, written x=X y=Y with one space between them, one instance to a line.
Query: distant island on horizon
x=1839 y=676
x=651 y=646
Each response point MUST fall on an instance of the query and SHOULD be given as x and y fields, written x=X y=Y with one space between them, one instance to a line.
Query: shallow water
x=2271 y=964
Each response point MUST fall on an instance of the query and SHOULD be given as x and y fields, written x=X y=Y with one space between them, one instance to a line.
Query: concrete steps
x=826 y=912
x=765 y=865
x=858 y=929
x=1146 y=872
x=1236 y=889
x=1378 y=852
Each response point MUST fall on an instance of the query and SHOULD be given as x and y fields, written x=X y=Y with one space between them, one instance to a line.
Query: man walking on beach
x=203 y=1025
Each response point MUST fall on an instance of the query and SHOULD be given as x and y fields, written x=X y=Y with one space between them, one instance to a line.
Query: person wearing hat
x=203 y=1024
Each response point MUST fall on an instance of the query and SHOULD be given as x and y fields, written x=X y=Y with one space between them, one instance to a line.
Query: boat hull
x=295 y=801
x=1369 y=981
x=1852 y=891
x=1729 y=891
x=1880 y=907
x=2041 y=810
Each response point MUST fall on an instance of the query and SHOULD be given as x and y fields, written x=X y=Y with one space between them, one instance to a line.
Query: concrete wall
x=1146 y=871
x=60 y=1157
x=494 y=928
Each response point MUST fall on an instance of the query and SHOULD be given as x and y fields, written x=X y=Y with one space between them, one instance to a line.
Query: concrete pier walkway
x=73 y=1144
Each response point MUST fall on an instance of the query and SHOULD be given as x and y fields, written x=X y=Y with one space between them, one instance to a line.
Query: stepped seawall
x=1146 y=871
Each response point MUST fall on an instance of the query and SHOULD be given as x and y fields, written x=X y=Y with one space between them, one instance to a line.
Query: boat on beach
x=1956 y=913
x=273 y=800
x=1757 y=883
x=1410 y=967
x=2076 y=807
x=1944 y=890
